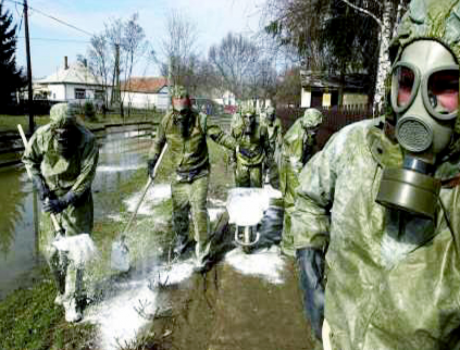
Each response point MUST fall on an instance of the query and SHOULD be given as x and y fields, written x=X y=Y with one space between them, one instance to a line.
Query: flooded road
x=122 y=152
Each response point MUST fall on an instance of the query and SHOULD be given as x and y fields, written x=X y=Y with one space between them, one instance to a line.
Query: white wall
x=146 y=100
x=57 y=92
x=305 y=98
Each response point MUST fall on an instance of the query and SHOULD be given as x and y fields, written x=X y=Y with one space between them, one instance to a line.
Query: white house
x=74 y=83
x=146 y=93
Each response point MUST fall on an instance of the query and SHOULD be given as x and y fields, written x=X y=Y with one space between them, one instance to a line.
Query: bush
x=90 y=111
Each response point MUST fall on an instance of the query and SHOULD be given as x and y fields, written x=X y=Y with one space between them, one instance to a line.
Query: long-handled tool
x=120 y=259
x=59 y=231
x=79 y=248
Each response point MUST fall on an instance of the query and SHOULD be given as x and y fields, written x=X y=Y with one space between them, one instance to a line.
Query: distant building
x=146 y=93
x=224 y=97
x=324 y=91
x=74 y=83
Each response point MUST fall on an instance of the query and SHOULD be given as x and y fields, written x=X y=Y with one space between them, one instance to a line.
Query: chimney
x=66 y=62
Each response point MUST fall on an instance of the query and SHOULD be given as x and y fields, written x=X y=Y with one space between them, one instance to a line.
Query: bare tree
x=134 y=47
x=100 y=61
x=179 y=50
x=262 y=84
x=236 y=60
x=114 y=34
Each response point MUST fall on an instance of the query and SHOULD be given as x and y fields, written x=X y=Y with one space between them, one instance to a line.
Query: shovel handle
x=144 y=192
x=56 y=225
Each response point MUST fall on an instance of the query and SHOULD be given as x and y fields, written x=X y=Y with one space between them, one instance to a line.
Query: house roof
x=77 y=73
x=146 y=85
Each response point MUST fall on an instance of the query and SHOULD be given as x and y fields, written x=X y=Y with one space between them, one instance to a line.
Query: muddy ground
x=226 y=310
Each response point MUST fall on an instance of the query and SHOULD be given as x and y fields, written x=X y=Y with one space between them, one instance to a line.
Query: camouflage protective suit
x=392 y=280
x=189 y=186
x=64 y=174
x=249 y=168
x=297 y=149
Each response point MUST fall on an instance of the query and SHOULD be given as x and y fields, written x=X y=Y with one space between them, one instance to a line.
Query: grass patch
x=10 y=122
x=30 y=320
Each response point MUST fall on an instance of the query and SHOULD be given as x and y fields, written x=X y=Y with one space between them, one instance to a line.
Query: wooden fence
x=334 y=119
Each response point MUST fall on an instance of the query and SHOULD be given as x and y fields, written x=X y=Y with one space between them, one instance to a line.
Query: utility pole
x=29 y=69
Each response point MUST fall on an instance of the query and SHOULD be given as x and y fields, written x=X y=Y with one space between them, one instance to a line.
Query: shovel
x=120 y=259
x=81 y=247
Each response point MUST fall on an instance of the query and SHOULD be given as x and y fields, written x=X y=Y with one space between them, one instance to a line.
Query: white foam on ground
x=118 y=321
x=118 y=168
x=267 y=264
x=217 y=202
x=155 y=195
x=115 y=217
x=80 y=249
x=214 y=213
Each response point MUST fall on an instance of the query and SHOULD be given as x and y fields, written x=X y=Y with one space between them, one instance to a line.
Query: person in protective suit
x=186 y=133
x=62 y=158
x=377 y=215
x=298 y=147
x=253 y=151
x=275 y=136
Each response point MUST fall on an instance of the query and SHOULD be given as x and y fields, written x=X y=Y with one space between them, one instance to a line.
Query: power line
x=53 y=18
x=60 y=40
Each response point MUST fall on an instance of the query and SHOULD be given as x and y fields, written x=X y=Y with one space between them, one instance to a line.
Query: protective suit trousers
x=74 y=220
x=248 y=176
x=191 y=198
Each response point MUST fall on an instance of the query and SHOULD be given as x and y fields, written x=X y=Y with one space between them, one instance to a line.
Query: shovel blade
x=120 y=257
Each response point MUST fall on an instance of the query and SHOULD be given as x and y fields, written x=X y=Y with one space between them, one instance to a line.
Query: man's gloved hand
x=56 y=206
x=41 y=186
x=246 y=152
x=151 y=167
x=311 y=270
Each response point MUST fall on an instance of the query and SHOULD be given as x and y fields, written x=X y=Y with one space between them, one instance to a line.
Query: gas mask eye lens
x=443 y=91
x=405 y=79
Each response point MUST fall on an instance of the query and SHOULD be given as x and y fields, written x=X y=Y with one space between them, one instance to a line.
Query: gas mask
x=249 y=121
x=424 y=96
x=181 y=105
x=64 y=140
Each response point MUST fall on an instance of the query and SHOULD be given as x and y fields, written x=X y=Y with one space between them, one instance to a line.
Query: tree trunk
x=384 y=60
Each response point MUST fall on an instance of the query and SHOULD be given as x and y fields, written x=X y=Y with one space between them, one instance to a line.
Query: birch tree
x=385 y=35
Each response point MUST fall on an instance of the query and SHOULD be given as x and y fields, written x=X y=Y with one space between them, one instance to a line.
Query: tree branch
x=357 y=8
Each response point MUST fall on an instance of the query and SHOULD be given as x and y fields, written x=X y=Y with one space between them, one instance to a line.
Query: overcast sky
x=213 y=18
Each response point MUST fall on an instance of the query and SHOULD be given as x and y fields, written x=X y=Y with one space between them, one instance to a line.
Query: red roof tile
x=152 y=85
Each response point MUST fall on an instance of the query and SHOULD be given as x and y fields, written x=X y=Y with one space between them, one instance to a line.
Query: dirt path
x=228 y=310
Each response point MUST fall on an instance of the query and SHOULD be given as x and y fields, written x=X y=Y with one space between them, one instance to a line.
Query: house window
x=99 y=95
x=80 y=94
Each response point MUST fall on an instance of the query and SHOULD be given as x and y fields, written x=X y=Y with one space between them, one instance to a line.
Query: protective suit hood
x=438 y=21
x=311 y=118
x=62 y=115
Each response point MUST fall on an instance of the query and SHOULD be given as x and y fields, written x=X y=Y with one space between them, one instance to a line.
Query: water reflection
x=19 y=217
